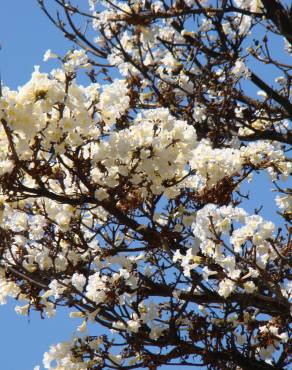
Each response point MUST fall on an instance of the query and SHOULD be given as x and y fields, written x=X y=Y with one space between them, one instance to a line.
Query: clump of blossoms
x=128 y=200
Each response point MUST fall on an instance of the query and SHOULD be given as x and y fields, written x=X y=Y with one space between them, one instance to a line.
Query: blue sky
x=25 y=35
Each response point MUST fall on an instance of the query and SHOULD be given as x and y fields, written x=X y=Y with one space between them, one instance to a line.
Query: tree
x=123 y=200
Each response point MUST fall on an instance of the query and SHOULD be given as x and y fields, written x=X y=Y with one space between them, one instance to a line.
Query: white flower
x=240 y=69
x=283 y=337
x=44 y=261
x=252 y=5
x=156 y=331
x=133 y=325
x=284 y=202
x=177 y=256
x=199 y=113
x=60 y=263
x=76 y=59
x=22 y=310
x=249 y=287
x=114 y=101
x=226 y=287
x=56 y=288
x=83 y=327
x=262 y=94
x=57 y=352
x=77 y=314
x=119 y=325
x=207 y=273
x=101 y=194
x=78 y=281
x=49 y=55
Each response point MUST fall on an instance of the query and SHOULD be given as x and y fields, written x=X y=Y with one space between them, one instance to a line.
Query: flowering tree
x=123 y=200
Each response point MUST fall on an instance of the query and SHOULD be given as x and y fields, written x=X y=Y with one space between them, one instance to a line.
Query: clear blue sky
x=25 y=34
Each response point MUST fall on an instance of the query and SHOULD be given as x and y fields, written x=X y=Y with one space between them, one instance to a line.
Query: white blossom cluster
x=116 y=92
x=157 y=154
x=61 y=354
x=119 y=201
x=212 y=222
x=149 y=152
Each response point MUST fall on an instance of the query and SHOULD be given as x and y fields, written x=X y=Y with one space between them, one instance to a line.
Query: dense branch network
x=123 y=199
